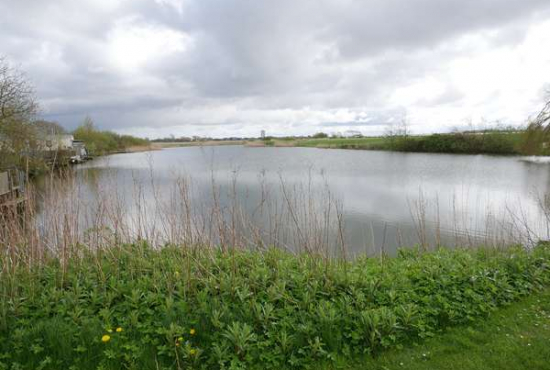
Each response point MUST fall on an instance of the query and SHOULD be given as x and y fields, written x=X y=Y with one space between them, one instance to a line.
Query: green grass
x=342 y=143
x=516 y=337
x=249 y=309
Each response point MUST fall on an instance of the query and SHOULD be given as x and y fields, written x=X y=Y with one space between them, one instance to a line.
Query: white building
x=57 y=142
x=352 y=133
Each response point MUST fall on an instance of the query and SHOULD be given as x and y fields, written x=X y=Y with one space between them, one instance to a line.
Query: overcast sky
x=232 y=68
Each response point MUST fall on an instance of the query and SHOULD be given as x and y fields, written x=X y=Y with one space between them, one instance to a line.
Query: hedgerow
x=134 y=307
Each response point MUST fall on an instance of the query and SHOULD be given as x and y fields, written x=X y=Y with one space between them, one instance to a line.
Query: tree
x=17 y=99
x=320 y=135
x=543 y=119
x=44 y=127
x=17 y=110
x=397 y=134
x=536 y=139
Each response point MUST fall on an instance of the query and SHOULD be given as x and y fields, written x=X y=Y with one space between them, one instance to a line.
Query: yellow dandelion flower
x=192 y=332
x=119 y=329
x=192 y=352
x=105 y=338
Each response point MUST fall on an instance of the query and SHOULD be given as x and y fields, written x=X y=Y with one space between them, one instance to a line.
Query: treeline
x=533 y=140
x=105 y=142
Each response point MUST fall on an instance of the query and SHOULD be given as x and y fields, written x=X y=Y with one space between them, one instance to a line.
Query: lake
x=340 y=201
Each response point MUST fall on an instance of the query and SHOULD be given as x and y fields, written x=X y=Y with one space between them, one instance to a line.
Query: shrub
x=460 y=143
x=105 y=142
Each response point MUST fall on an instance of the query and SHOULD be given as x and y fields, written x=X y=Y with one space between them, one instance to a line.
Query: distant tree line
x=104 y=142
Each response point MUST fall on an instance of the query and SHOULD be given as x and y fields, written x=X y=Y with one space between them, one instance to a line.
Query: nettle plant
x=185 y=308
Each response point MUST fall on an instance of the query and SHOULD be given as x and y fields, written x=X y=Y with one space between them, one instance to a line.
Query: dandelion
x=119 y=329
x=105 y=338
x=192 y=332
x=192 y=352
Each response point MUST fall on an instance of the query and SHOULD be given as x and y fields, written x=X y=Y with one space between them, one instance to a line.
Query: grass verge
x=516 y=337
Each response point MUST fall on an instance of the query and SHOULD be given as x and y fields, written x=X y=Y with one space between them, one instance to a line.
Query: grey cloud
x=253 y=55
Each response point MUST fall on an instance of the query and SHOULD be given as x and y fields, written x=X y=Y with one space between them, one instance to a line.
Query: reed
x=95 y=211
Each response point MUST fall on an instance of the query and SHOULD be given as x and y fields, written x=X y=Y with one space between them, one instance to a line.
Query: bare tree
x=44 y=127
x=17 y=109
x=397 y=133
x=543 y=118
x=17 y=99
x=537 y=136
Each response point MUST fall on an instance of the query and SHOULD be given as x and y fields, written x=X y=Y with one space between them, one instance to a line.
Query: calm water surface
x=388 y=199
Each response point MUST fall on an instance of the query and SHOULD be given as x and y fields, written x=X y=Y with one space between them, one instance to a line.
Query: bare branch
x=17 y=96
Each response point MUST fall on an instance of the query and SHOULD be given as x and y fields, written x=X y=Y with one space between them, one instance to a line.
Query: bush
x=185 y=308
x=320 y=135
x=105 y=142
x=460 y=143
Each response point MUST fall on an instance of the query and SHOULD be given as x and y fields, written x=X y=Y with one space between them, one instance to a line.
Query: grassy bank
x=492 y=142
x=139 y=308
x=515 y=337
x=365 y=143
x=168 y=144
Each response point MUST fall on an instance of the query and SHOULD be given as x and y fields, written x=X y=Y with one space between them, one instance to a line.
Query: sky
x=221 y=68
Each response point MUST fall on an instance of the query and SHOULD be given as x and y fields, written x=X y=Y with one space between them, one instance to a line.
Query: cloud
x=217 y=68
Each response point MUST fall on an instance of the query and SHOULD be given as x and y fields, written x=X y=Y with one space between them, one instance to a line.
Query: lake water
x=357 y=201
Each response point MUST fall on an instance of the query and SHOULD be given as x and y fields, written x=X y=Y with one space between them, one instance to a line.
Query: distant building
x=57 y=142
x=73 y=151
x=263 y=134
x=80 y=152
x=352 y=133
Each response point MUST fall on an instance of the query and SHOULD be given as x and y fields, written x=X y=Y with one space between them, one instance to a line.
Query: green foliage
x=536 y=140
x=490 y=142
x=515 y=337
x=104 y=142
x=345 y=143
x=320 y=135
x=461 y=143
x=188 y=308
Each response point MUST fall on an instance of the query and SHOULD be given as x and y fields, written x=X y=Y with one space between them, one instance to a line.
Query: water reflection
x=387 y=199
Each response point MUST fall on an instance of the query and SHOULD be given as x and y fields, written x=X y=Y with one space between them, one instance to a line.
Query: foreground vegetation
x=512 y=338
x=135 y=307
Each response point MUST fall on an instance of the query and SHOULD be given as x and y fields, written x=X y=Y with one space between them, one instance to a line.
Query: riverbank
x=135 y=307
x=164 y=145
x=491 y=142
